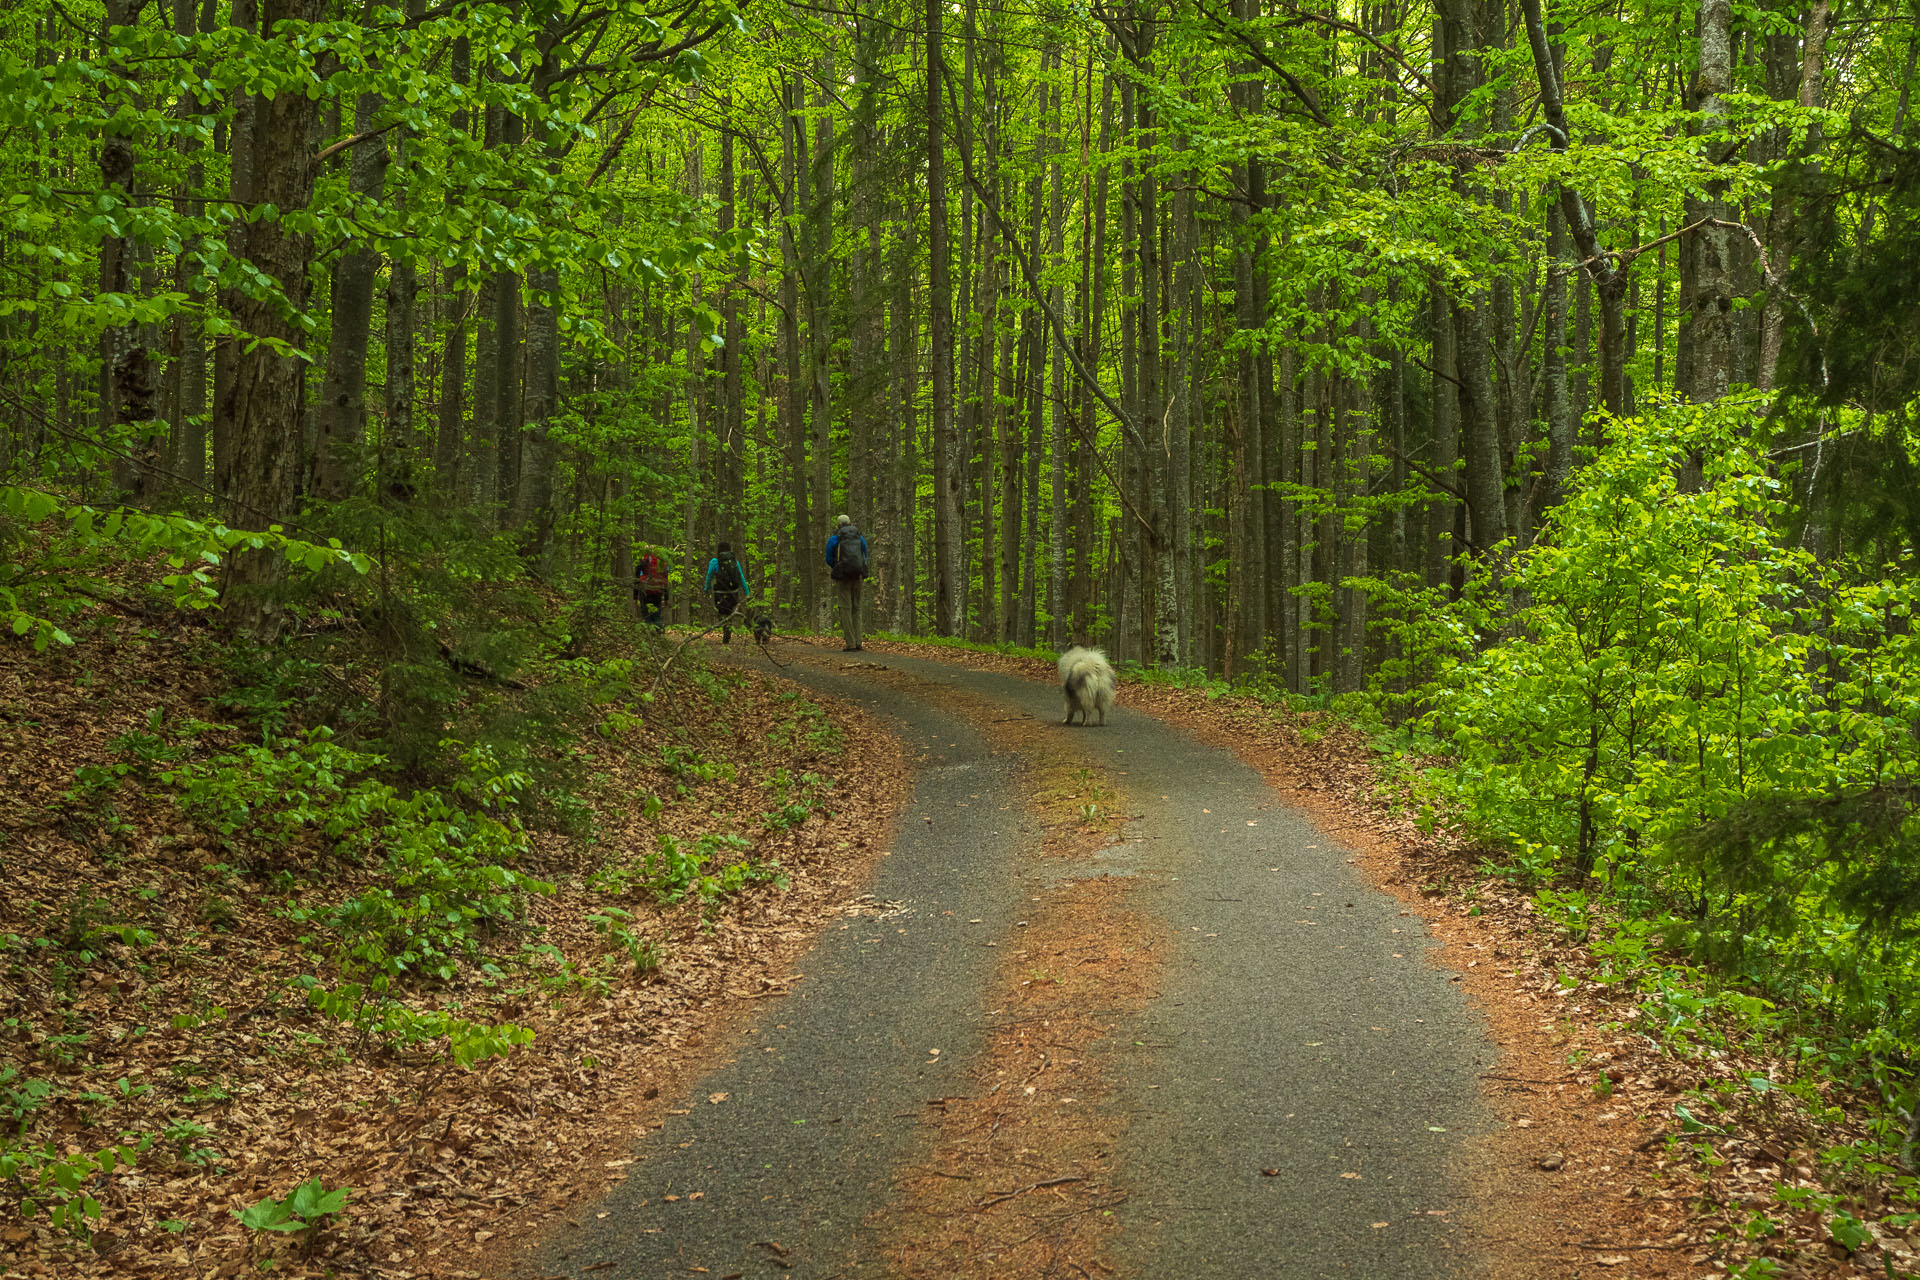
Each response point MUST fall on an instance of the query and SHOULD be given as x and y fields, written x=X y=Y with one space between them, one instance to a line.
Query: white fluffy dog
x=1087 y=682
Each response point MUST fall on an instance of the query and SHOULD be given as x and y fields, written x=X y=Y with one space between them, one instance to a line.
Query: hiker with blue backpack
x=847 y=560
x=727 y=585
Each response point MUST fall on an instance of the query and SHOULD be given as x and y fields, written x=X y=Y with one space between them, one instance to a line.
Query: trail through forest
x=1261 y=1074
x=1494 y=424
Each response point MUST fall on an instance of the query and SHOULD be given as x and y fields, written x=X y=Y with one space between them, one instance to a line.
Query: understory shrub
x=1702 y=716
x=444 y=864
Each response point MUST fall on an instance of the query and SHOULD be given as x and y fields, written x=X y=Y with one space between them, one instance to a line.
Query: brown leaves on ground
x=192 y=1035
x=1588 y=1178
x=1017 y=1178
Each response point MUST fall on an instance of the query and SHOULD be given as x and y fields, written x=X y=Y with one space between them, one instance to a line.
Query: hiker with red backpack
x=650 y=588
x=847 y=559
x=727 y=586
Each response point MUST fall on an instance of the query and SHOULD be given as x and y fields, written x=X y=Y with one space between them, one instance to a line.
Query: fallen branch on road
x=1008 y=1195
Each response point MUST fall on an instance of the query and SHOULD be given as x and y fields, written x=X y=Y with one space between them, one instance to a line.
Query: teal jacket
x=713 y=571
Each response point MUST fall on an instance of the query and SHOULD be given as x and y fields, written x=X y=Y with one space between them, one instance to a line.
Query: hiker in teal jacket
x=727 y=586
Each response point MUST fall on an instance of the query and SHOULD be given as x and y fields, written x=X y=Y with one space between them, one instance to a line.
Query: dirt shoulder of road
x=1584 y=1178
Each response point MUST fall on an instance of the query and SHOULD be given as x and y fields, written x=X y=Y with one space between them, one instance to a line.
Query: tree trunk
x=1444 y=453
x=533 y=508
x=126 y=363
x=1008 y=418
x=1022 y=409
x=189 y=414
x=1089 y=338
x=947 y=476
x=1128 y=562
x=1247 y=585
x=1607 y=277
x=1781 y=228
x=733 y=444
x=1473 y=339
x=480 y=470
x=449 y=433
x=403 y=290
x=817 y=265
x=508 y=415
x=263 y=403
x=1289 y=608
x=341 y=414
x=804 y=578
x=1486 y=486
x=867 y=376
x=1561 y=425
x=240 y=190
x=693 y=490
x=1708 y=255
x=905 y=475
x=1159 y=483
x=1058 y=536
x=448 y=441
x=1182 y=416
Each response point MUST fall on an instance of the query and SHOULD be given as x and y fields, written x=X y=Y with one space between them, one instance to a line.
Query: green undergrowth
x=445 y=803
x=1696 y=734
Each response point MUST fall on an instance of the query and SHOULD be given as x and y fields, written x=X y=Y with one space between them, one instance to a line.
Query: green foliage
x=274 y=792
x=182 y=1135
x=445 y=873
x=672 y=872
x=1166 y=677
x=306 y=1208
x=690 y=768
x=975 y=646
x=49 y=583
x=22 y=1097
x=795 y=799
x=1713 y=723
x=611 y=923
x=65 y=1184
x=399 y=1027
x=1854 y=344
x=453 y=640
x=801 y=725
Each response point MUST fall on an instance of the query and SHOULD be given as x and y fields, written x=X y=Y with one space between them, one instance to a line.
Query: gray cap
x=840 y=520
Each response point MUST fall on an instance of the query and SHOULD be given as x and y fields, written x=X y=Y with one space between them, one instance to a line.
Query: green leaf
x=268 y=1215
x=1849 y=1232
x=311 y=1199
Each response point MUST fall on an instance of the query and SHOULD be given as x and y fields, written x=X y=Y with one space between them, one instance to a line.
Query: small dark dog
x=762 y=626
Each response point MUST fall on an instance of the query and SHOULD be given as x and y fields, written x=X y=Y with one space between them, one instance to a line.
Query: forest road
x=1293 y=1100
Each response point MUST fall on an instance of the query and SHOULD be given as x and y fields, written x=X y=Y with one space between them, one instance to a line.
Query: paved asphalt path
x=1298 y=1029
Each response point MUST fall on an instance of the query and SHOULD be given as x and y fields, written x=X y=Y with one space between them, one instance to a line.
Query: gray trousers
x=849 y=589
